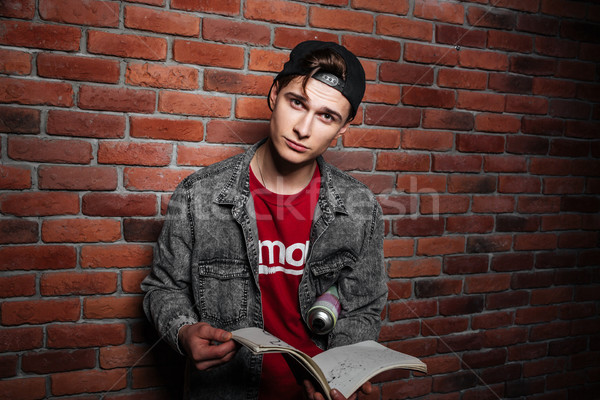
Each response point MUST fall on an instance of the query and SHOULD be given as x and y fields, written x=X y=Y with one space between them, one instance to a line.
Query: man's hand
x=205 y=345
x=312 y=394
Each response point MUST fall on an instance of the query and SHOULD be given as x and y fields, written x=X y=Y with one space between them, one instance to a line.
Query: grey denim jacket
x=206 y=266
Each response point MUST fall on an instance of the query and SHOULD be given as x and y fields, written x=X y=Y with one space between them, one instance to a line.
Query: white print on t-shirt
x=285 y=257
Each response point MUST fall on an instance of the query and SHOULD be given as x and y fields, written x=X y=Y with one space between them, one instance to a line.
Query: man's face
x=303 y=124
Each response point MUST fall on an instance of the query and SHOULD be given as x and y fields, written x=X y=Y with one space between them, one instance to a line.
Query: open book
x=345 y=368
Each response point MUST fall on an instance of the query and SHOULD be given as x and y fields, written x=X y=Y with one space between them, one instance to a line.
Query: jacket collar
x=237 y=189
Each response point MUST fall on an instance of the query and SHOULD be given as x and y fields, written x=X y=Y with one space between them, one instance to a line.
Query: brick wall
x=479 y=134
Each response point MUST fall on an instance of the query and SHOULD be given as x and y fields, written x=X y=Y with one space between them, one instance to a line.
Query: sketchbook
x=345 y=368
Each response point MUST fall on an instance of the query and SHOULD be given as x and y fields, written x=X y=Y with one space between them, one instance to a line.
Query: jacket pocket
x=327 y=271
x=221 y=287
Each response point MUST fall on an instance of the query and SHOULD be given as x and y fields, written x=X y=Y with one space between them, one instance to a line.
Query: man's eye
x=296 y=102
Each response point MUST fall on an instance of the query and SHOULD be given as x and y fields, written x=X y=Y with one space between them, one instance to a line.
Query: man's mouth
x=296 y=146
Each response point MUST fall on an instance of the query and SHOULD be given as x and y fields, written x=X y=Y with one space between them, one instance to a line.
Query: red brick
x=131 y=280
x=570 y=109
x=482 y=102
x=91 y=12
x=440 y=246
x=24 y=388
x=424 y=226
x=393 y=116
x=542 y=126
x=406 y=73
x=113 y=307
x=398 y=247
x=346 y=20
x=459 y=36
x=18 y=9
x=77 y=178
x=368 y=47
x=22 y=91
x=508 y=41
x=125 y=356
x=504 y=163
x=37 y=257
x=372 y=138
x=118 y=205
x=470 y=143
x=65 y=383
x=58 y=361
x=427 y=140
x=116 y=99
x=427 y=97
x=538 y=241
x=40 y=311
x=394 y=161
x=506 y=83
x=462 y=79
x=14 y=177
x=504 y=336
x=252 y=108
x=350 y=160
x=17 y=285
x=228 y=31
x=399 y=7
x=533 y=315
x=535 y=23
x=497 y=19
x=554 y=87
x=226 y=7
x=530 y=65
x=19 y=339
x=377 y=183
x=116 y=256
x=130 y=153
x=84 y=124
x=461 y=305
x=211 y=54
x=278 y=11
x=465 y=264
x=480 y=59
x=443 y=326
x=487 y=283
x=156 y=179
x=85 y=335
x=235 y=131
x=290 y=37
x=470 y=224
x=399 y=290
x=527 y=145
x=160 y=76
x=169 y=22
x=398 y=205
x=569 y=148
x=427 y=54
x=167 y=129
x=550 y=330
x=15 y=62
x=494 y=204
x=492 y=320
x=526 y=104
x=389 y=25
x=581 y=71
x=512 y=223
x=194 y=104
x=39 y=36
x=78 y=283
x=563 y=185
x=34 y=149
x=19 y=120
x=413 y=183
x=439 y=11
x=81 y=230
x=435 y=204
x=232 y=82
x=378 y=93
x=130 y=46
x=266 y=60
x=39 y=203
x=412 y=309
x=414 y=268
x=8 y=366
x=204 y=155
x=489 y=244
x=453 y=163
x=445 y=119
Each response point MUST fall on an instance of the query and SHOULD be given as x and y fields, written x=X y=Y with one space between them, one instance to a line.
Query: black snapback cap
x=352 y=88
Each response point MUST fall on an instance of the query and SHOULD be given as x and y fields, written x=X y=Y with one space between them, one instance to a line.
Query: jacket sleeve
x=168 y=300
x=363 y=289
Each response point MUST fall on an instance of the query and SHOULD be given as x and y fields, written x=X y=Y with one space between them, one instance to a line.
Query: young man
x=255 y=239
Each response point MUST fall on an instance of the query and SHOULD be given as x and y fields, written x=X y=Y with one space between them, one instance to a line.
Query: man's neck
x=279 y=176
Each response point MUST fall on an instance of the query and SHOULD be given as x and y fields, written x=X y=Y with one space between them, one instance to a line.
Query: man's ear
x=343 y=129
x=273 y=92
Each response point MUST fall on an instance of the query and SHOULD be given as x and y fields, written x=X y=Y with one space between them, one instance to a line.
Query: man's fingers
x=207 y=332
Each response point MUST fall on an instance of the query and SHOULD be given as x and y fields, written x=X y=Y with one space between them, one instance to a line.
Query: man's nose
x=303 y=125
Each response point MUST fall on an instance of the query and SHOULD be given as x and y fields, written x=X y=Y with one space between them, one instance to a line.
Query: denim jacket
x=206 y=266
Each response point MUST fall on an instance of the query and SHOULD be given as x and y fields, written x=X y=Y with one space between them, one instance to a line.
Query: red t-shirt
x=284 y=223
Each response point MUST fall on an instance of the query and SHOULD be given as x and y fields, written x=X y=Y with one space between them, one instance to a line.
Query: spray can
x=323 y=314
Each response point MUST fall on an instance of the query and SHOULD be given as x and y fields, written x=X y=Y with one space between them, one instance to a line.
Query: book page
x=346 y=368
